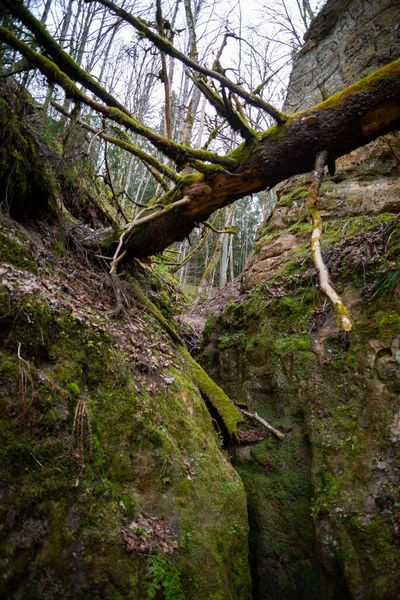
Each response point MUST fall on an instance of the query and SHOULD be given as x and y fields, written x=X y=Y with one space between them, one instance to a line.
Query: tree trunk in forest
x=46 y=11
x=206 y=281
x=225 y=238
x=66 y=23
x=231 y=260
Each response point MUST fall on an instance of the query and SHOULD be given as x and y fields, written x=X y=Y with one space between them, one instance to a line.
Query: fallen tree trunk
x=349 y=119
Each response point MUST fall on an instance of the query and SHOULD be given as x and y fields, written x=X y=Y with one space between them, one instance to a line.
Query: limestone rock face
x=324 y=503
x=366 y=184
x=347 y=41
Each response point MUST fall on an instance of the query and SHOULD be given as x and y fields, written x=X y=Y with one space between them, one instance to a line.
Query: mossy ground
x=91 y=437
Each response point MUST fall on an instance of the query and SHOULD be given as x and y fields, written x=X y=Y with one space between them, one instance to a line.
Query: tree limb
x=165 y=46
x=342 y=314
x=146 y=158
x=177 y=152
x=231 y=229
x=164 y=71
x=255 y=416
x=136 y=223
x=17 y=9
x=201 y=243
x=349 y=119
x=234 y=118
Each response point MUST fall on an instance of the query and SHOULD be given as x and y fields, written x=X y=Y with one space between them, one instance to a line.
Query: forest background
x=254 y=44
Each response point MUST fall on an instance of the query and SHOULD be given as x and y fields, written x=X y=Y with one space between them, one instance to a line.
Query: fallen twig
x=255 y=416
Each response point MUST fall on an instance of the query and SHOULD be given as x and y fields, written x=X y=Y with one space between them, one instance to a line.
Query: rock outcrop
x=324 y=503
x=114 y=483
x=348 y=40
x=113 y=480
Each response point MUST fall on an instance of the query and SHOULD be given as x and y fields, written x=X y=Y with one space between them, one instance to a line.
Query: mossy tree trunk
x=344 y=122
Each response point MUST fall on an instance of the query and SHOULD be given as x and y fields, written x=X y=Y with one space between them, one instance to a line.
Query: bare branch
x=109 y=180
x=204 y=236
x=165 y=46
x=231 y=229
x=17 y=9
x=164 y=74
x=255 y=416
x=341 y=311
x=147 y=159
x=136 y=223
x=235 y=119
x=168 y=147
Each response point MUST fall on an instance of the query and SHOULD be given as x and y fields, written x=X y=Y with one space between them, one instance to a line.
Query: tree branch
x=344 y=122
x=136 y=223
x=342 y=314
x=234 y=118
x=147 y=159
x=231 y=229
x=165 y=46
x=255 y=416
x=17 y=9
x=171 y=149
x=164 y=70
x=201 y=243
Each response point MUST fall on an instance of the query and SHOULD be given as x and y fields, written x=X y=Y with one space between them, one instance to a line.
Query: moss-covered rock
x=94 y=438
x=28 y=188
x=324 y=503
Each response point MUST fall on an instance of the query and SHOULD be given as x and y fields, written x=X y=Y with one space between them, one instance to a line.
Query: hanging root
x=30 y=378
x=343 y=317
x=78 y=434
x=25 y=380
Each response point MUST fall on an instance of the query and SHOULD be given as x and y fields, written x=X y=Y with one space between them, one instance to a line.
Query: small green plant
x=162 y=576
x=233 y=530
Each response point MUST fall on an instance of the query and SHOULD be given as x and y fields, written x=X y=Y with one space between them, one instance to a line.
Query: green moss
x=153 y=310
x=388 y=321
x=277 y=132
x=301 y=229
x=293 y=343
x=225 y=340
x=278 y=489
x=265 y=240
x=149 y=448
x=218 y=399
x=8 y=366
x=58 y=249
x=243 y=152
x=386 y=72
x=365 y=223
x=295 y=196
x=28 y=185
x=15 y=252
x=210 y=325
x=74 y=389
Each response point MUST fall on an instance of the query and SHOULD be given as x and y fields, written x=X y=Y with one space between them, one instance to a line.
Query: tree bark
x=349 y=119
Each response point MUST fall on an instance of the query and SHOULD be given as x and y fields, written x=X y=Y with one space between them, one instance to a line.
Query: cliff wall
x=324 y=503
x=348 y=40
